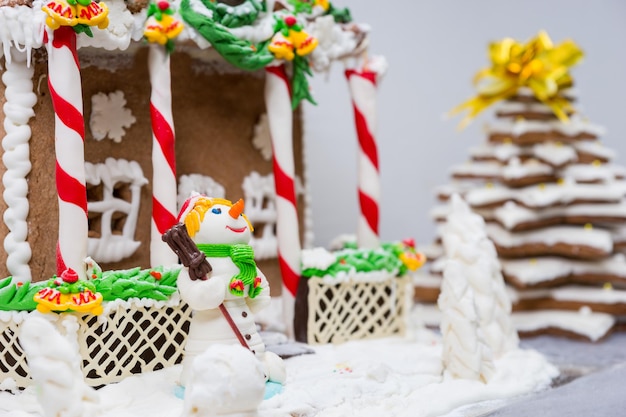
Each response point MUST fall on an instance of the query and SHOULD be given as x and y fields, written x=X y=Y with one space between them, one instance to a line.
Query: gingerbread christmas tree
x=550 y=192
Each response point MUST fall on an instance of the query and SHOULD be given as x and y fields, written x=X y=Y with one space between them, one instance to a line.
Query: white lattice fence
x=349 y=310
x=130 y=340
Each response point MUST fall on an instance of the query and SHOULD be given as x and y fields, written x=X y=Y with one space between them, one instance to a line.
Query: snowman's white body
x=209 y=325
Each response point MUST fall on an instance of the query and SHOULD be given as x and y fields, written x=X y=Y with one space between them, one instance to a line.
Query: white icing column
x=363 y=90
x=476 y=322
x=64 y=83
x=18 y=109
x=280 y=117
x=163 y=155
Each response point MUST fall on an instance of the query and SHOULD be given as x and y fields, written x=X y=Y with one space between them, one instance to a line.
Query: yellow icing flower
x=62 y=13
x=413 y=260
x=324 y=4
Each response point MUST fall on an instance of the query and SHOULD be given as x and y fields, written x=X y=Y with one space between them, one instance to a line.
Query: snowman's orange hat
x=195 y=207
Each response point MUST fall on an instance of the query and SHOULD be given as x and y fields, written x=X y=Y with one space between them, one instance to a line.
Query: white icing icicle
x=18 y=109
x=21 y=27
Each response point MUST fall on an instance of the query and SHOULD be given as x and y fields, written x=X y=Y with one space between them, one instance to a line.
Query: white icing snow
x=511 y=214
x=515 y=169
x=117 y=34
x=109 y=116
x=261 y=139
x=544 y=195
x=318 y=258
x=596 y=148
x=573 y=235
x=584 y=322
x=334 y=42
x=544 y=269
x=575 y=126
x=225 y=380
x=554 y=153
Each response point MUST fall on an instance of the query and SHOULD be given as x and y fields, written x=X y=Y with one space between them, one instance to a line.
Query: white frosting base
x=349 y=379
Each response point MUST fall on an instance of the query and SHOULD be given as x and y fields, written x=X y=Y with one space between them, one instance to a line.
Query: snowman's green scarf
x=243 y=257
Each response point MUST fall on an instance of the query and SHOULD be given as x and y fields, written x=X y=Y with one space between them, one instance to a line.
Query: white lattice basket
x=356 y=309
x=129 y=338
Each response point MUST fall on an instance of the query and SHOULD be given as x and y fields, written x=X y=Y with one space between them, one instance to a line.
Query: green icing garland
x=235 y=16
x=157 y=284
x=360 y=260
x=238 y=52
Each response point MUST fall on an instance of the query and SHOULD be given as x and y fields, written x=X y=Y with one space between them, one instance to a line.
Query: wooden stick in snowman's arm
x=190 y=256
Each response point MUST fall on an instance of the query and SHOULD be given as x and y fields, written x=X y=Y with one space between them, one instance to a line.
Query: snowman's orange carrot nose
x=236 y=210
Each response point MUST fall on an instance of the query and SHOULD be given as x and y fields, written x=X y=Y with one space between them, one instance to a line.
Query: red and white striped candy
x=69 y=132
x=280 y=119
x=362 y=85
x=163 y=156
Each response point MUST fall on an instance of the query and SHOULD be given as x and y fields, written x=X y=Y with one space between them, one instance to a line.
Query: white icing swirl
x=18 y=109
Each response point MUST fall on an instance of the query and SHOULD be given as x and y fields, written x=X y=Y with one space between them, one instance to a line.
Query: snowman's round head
x=216 y=220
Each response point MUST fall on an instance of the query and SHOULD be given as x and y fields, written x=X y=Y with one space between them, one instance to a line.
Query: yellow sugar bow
x=538 y=65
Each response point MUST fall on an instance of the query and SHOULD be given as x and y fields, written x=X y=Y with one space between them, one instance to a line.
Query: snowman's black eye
x=217 y=210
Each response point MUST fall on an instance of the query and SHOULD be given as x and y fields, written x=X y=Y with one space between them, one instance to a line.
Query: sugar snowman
x=230 y=289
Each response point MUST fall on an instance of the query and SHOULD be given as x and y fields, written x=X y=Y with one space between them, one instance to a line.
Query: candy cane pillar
x=280 y=119
x=69 y=138
x=163 y=156
x=362 y=85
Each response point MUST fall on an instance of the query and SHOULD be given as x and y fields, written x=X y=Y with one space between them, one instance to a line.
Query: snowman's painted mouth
x=241 y=230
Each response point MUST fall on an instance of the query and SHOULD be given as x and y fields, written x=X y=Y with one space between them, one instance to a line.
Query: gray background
x=434 y=47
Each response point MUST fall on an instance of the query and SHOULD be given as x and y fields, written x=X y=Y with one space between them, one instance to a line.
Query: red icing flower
x=156 y=275
x=70 y=276
x=257 y=282
x=409 y=242
x=236 y=285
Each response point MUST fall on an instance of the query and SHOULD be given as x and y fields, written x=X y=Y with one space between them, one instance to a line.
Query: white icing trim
x=18 y=109
x=544 y=269
x=544 y=195
x=110 y=247
x=574 y=127
x=596 y=148
x=511 y=214
x=595 y=238
x=584 y=322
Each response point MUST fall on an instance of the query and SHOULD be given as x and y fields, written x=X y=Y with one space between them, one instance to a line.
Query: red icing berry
x=163 y=5
x=257 y=282
x=69 y=276
x=156 y=275
x=19 y=284
x=94 y=276
x=290 y=21
x=342 y=261
x=409 y=242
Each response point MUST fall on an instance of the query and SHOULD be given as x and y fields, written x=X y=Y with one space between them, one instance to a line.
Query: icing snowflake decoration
x=261 y=140
x=109 y=116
